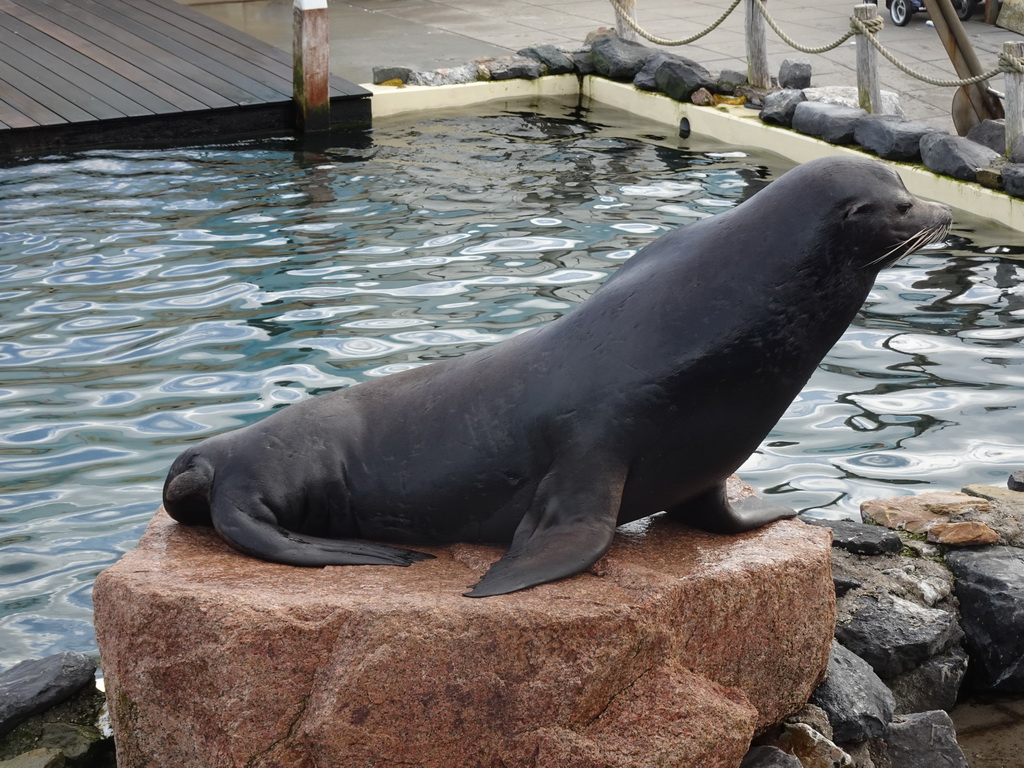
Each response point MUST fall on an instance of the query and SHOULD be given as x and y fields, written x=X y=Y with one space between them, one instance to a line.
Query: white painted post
x=869 y=93
x=1013 y=104
x=757 y=48
x=623 y=29
x=311 y=64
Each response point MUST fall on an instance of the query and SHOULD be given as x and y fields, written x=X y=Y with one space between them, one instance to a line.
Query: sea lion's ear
x=860 y=208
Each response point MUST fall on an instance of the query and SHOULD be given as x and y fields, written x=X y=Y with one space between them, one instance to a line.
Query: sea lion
x=644 y=398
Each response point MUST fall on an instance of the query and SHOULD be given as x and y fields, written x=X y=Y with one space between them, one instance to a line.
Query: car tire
x=900 y=12
x=965 y=8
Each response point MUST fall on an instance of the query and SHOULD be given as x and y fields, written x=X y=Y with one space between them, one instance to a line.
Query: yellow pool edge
x=737 y=126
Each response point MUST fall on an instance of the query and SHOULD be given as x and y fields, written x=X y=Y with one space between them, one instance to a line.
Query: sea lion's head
x=873 y=216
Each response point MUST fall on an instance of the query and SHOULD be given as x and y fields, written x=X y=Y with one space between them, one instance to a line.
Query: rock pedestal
x=674 y=649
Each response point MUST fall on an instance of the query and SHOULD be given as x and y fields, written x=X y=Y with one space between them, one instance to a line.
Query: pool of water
x=152 y=298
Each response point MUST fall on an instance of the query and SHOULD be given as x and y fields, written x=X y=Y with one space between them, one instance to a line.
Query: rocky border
x=827 y=113
x=930 y=600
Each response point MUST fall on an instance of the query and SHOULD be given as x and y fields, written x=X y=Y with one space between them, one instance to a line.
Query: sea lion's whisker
x=914 y=242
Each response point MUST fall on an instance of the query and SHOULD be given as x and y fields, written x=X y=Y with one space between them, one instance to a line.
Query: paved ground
x=433 y=33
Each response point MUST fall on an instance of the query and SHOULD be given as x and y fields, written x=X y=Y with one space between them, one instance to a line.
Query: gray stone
x=890 y=137
x=583 y=62
x=644 y=79
x=680 y=78
x=847 y=96
x=618 y=59
x=465 y=73
x=1013 y=179
x=513 y=67
x=924 y=740
x=779 y=107
x=858 y=703
x=36 y=685
x=831 y=122
x=795 y=73
x=990 y=588
x=553 y=61
x=859 y=538
x=1015 y=482
x=769 y=757
x=730 y=79
x=384 y=74
x=37 y=758
x=933 y=685
x=895 y=635
x=955 y=156
x=74 y=741
x=991 y=134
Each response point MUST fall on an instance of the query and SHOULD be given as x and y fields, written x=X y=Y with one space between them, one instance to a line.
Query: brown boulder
x=964 y=534
x=673 y=650
x=919 y=513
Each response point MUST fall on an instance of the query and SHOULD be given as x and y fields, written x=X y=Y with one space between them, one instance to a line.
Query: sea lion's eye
x=902 y=208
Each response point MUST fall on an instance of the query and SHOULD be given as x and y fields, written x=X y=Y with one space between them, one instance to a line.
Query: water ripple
x=155 y=297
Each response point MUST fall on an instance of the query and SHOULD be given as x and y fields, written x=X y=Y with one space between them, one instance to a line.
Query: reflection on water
x=153 y=298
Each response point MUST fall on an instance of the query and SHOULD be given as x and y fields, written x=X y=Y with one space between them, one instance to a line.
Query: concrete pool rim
x=730 y=124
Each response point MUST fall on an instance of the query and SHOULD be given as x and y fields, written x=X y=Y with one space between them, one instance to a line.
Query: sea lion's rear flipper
x=569 y=526
x=255 y=532
x=712 y=511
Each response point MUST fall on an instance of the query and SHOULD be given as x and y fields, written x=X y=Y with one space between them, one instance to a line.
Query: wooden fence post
x=311 y=64
x=1013 y=105
x=869 y=93
x=757 y=48
x=623 y=29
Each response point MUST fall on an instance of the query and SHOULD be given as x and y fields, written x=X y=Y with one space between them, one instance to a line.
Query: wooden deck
x=88 y=72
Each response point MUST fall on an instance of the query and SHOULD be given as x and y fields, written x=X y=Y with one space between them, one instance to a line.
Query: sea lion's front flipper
x=254 y=531
x=569 y=525
x=712 y=511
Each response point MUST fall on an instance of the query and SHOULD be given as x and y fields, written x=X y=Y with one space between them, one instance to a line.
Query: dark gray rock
x=924 y=740
x=831 y=122
x=38 y=684
x=990 y=588
x=795 y=73
x=933 y=685
x=1013 y=179
x=384 y=74
x=859 y=538
x=890 y=137
x=583 y=62
x=730 y=79
x=894 y=635
x=769 y=757
x=779 y=107
x=680 y=78
x=513 y=67
x=991 y=134
x=843 y=584
x=955 y=156
x=1015 y=482
x=552 y=60
x=858 y=703
x=644 y=79
x=618 y=59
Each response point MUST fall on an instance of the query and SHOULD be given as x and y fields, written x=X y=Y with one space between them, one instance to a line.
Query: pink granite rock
x=673 y=650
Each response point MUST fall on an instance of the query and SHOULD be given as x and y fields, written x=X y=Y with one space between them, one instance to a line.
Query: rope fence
x=865 y=24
